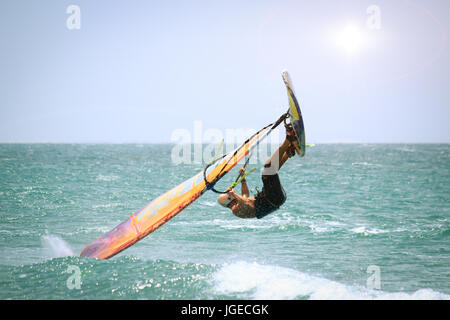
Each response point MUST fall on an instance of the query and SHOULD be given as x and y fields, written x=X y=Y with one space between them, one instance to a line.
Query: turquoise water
x=351 y=208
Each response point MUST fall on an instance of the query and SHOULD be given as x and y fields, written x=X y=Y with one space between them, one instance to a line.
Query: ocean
x=361 y=221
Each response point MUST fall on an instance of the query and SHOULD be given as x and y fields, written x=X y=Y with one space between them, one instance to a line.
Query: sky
x=140 y=71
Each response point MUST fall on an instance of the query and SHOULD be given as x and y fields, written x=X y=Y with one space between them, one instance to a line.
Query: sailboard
x=295 y=114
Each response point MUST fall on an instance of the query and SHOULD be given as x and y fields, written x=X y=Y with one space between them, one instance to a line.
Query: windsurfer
x=272 y=195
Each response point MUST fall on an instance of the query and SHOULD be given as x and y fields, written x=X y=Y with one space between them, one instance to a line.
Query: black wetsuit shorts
x=271 y=197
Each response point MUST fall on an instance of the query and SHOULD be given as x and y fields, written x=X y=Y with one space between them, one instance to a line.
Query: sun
x=350 y=39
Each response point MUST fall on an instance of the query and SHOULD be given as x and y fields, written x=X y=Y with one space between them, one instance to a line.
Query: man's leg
x=288 y=154
x=276 y=161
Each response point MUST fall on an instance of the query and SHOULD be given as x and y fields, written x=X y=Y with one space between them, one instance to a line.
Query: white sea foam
x=319 y=228
x=325 y=226
x=234 y=223
x=281 y=222
x=366 y=231
x=365 y=164
x=209 y=203
x=107 y=205
x=56 y=247
x=102 y=177
x=256 y=281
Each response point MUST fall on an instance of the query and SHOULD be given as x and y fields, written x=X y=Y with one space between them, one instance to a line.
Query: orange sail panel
x=141 y=223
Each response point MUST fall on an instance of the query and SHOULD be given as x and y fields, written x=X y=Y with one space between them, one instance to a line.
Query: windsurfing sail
x=141 y=223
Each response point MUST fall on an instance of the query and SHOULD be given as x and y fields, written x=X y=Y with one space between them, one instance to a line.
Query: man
x=272 y=195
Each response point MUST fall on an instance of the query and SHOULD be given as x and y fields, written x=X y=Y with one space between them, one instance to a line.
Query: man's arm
x=244 y=188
